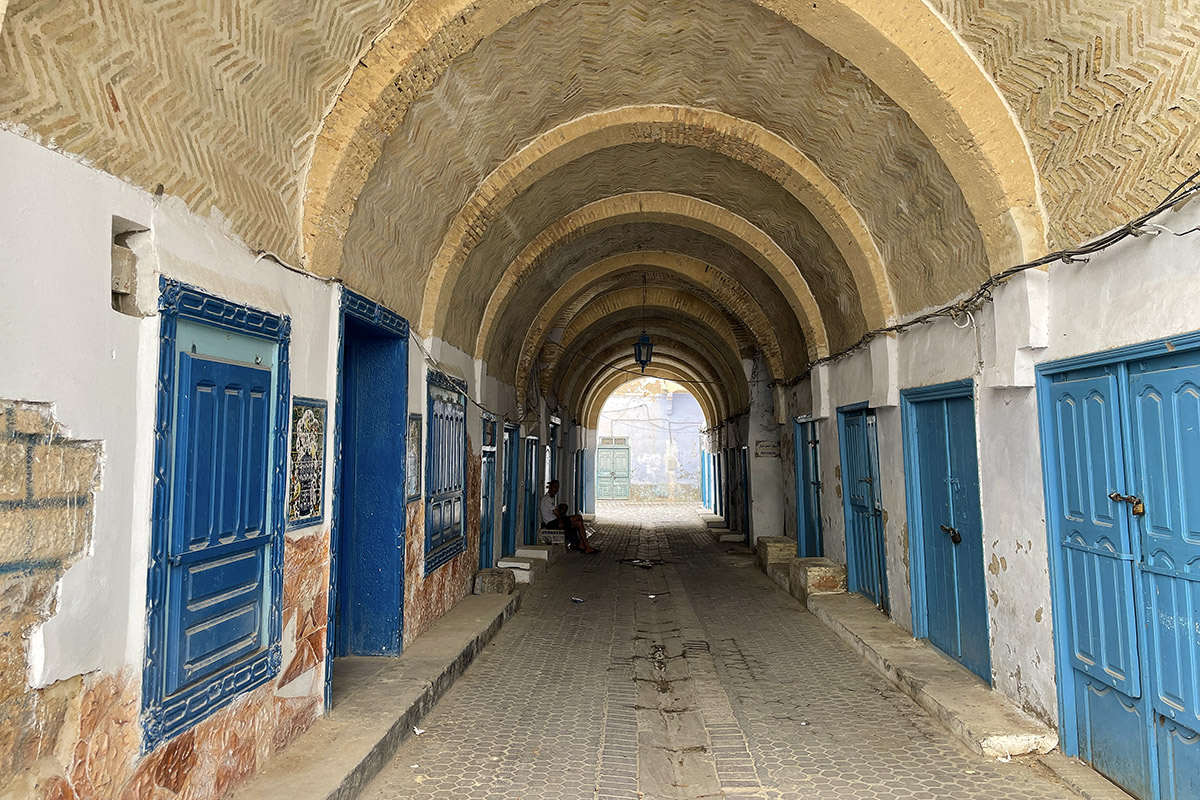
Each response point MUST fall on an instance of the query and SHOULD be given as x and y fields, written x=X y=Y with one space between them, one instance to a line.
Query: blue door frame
x=366 y=573
x=511 y=490
x=1124 y=642
x=807 y=471
x=866 y=559
x=945 y=525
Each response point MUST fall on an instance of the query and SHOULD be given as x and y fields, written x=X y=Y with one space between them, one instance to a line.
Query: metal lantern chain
x=643 y=348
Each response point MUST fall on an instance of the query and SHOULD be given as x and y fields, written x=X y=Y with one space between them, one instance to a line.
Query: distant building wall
x=662 y=421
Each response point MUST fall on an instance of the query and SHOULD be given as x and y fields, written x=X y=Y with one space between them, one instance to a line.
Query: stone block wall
x=46 y=497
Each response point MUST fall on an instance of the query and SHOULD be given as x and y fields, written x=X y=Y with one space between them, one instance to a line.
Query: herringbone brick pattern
x=218 y=101
x=567 y=59
x=1108 y=92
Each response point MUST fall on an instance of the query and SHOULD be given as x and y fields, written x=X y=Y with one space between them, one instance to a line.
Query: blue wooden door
x=866 y=571
x=808 y=490
x=510 y=495
x=1096 y=575
x=533 y=490
x=487 y=500
x=369 y=592
x=1164 y=399
x=219 y=544
x=947 y=511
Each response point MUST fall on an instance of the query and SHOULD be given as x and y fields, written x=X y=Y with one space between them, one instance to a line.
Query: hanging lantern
x=643 y=348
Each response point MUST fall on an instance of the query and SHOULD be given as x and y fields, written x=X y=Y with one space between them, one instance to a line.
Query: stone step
x=725 y=535
x=810 y=576
x=345 y=749
x=774 y=550
x=525 y=570
x=984 y=720
x=546 y=552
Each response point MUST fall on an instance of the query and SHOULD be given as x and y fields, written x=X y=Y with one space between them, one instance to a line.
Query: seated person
x=555 y=517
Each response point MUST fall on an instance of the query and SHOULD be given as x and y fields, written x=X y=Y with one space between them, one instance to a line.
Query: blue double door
x=1122 y=454
x=946 y=526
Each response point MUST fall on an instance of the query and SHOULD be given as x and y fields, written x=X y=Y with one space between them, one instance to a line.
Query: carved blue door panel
x=219 y=550
x=1096 y=572
x=1165 y=416
x=865 y=564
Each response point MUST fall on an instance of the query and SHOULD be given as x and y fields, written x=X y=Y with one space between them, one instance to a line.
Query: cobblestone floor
x=694 y=678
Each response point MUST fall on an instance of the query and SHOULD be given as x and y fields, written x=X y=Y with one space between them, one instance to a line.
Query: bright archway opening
x=648 y=444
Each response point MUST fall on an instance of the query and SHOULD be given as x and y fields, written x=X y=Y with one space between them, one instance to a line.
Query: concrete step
x=345 y=749
x=984 y=720
x=546 y=552
x=526 y=570
x=726 y=535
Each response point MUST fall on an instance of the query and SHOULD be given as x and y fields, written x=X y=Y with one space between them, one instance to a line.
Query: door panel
x=533 y=490
x=1165 y=416
x=508 y=514
x=967 y=555
x=487 y=509
x=808 y=491
x=217 y=554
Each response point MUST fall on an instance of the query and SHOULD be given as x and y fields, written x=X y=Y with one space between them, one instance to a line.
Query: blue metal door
x=866 y=570
x=945 y=519
x=808 y=490
x=1164 y=396
x=1095 y=573
x=533 y=490
x=219 y=545
x=508 y=514
x=487 y=499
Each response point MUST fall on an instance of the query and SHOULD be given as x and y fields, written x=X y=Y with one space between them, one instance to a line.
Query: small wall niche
x=126 y=236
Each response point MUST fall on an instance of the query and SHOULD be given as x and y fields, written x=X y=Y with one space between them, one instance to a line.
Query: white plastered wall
x=1143 y=289
x=63 y=343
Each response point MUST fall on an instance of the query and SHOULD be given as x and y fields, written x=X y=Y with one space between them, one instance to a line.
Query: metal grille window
x=445 y=524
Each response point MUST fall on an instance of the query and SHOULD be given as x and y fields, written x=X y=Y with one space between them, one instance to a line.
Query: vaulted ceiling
x=783 y=176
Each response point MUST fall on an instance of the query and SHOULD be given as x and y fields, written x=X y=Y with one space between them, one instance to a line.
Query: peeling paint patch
x=1037 y=615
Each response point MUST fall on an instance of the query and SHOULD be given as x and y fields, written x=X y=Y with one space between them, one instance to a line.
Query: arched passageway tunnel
x=891 y=251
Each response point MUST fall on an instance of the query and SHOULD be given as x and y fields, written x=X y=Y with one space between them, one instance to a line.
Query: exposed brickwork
x=1108 y=93
x=216 y=101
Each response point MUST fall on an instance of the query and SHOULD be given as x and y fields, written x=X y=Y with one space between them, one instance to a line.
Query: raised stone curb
x=774 y=550
x=343 y=751
x=724 y=535
x=984 y=720
x=495 y=581
x=810 y=576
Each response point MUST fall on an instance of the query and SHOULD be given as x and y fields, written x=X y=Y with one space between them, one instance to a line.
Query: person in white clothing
x=554 y=515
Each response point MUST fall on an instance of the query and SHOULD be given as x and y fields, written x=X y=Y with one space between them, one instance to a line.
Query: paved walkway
x=694 y=678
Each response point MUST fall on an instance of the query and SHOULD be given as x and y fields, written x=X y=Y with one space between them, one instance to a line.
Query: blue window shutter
x=219 y=554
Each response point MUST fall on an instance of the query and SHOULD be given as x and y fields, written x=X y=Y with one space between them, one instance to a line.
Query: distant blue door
x=487 y=500
x=945 y=519
x=533 y=490
x=808 y=490
x=219 y=547
x=510 y=492
x=866 y=567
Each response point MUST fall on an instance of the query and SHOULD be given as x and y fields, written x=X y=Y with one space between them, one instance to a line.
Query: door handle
x=955 y=536
x=1139 y=508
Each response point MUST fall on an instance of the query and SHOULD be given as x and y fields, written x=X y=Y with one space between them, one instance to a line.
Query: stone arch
x=904 y=47
x=741 y=140
x=591 y=412
x=692 y=270
x=688 y=212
